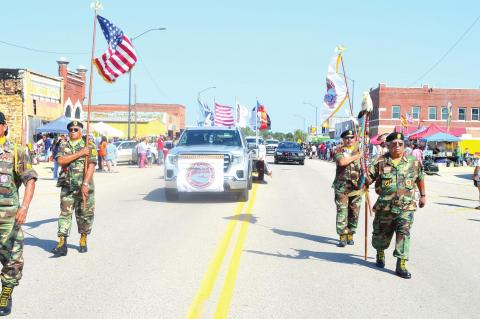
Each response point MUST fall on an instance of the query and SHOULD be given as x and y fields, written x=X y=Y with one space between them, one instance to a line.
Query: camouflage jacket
x=76 y=169
x=347 y=177
x=395 y=185
x=15 y=169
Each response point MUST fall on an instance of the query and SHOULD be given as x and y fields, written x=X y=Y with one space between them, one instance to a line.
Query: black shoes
x=401 y=270
x=83 y=243
x=6 y=301
x=61 y=249
x=380 y=259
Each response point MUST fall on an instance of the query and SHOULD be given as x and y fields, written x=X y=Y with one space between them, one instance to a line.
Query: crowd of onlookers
x=148 y=151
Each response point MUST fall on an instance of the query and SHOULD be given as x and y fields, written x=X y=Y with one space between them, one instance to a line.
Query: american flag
x=120 y=56
x=223 y=115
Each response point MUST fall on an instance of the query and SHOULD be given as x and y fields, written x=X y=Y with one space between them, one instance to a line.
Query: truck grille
x=227 y=159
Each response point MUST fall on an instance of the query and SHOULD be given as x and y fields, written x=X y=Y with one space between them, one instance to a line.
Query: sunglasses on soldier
x=73 y=129
x=396 y=143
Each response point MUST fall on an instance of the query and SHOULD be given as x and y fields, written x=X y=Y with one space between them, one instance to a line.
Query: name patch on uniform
x=387 y=170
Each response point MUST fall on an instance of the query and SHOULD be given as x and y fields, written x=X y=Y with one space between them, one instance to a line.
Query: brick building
x=29 y=99
x=170 y=118
x=428 y=106
x=74 y=88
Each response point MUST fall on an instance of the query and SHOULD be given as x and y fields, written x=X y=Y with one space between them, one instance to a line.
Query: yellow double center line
x=208 y=282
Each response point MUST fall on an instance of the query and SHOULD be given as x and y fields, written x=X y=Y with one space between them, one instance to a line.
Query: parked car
x=198 y=149
x=289 y=152
x=271 y=146
x=125 y=151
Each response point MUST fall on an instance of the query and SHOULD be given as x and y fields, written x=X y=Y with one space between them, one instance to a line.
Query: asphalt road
x=273 y=257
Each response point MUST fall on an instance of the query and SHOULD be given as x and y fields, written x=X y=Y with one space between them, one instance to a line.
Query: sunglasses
x=397 y=143
x=349 y=137
x=73 y=129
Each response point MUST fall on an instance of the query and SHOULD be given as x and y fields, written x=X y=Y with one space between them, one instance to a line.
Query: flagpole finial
x=340 y=48
x=96 y=5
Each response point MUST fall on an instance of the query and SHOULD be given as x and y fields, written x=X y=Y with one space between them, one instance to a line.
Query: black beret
x=74 y=123
x=3 y=120
x=347 y=133
x=395 y=136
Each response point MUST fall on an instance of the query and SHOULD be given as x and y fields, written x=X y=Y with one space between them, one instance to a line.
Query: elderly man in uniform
x=395 y=175
x=15 y=169
x=347 y=176
x=77 y=187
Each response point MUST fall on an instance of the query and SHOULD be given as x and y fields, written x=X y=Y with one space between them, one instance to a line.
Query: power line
x=446 y=53
x=41 y=51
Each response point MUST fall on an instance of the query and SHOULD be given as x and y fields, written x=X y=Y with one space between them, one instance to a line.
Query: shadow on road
x=464 y=176
x=469 y=199
x=45 y=244
x=243 y=217
x=158 y=195
x=474 y=220
x=37 y=223
x=455 y=205
x=342 y=258
x=315 y=238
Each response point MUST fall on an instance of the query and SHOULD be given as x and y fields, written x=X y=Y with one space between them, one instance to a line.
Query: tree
x=299 y=135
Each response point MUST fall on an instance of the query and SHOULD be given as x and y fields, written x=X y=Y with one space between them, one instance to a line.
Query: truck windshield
x=210 y=137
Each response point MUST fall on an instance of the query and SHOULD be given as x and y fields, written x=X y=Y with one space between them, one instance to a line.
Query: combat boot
x=343 y=241
x=380 y=259
x=402 y=269
x=350 y=239
x=61 y=249
x=83 y=243
x=6 y=301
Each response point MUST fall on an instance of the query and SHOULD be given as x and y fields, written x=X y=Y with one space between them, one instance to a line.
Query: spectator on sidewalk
x=111 y=157
x=102 y=153
x=48 y=148
x=160 y=150
x=418 y=152
x=476 y=180
x=142 y=153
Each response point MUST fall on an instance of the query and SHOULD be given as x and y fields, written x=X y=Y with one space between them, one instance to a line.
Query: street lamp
x=316 y=116
x=198 y=94
x=130 y=79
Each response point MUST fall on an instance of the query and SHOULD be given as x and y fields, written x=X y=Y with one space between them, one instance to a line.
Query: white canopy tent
x=106 y=130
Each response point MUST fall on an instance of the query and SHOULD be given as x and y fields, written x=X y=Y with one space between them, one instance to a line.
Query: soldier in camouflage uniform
x=76 y=187
x=15 y=169
x=347 y=176
x=395 y=175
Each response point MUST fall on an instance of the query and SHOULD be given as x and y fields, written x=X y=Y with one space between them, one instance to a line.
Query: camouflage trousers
x=385 y=224
x=348 y=209
x=11 y=251
x=71 y=200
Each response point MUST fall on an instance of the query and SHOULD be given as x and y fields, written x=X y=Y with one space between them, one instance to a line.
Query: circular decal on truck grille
x=200 y=175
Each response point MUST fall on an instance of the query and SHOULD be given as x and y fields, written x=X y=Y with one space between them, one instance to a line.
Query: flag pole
x=96 y=6
x=367 y=197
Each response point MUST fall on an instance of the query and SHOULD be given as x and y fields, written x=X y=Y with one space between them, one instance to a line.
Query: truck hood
x=205 y=149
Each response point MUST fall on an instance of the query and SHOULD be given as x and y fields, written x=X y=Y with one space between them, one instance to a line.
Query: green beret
x=347 y=133
x=395 y=136
x=74 y=123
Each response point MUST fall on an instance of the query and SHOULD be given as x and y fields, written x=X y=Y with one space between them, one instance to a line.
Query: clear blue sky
x=276 y=50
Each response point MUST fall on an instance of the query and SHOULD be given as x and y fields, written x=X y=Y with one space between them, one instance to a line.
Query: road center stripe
x=225 y=299
x=208 y=282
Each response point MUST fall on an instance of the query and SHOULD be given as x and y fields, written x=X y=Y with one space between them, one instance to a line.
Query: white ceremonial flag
x=242 y=116
x=200 y=173
x=336 y=87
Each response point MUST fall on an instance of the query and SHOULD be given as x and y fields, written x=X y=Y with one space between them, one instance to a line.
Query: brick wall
x=11 y=103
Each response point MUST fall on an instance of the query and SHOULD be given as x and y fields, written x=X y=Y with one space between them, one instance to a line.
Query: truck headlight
x=237 y=159
x=301 y=154
x=172 y=159
x=279 y=153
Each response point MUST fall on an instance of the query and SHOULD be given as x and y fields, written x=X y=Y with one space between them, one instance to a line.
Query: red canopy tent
x=432 y=129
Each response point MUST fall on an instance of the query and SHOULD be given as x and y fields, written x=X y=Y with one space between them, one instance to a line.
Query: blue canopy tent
x=58 y=126
x=440 y=137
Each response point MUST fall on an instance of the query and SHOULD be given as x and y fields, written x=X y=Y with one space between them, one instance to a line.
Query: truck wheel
x=276 y=161
x=302 y=162
x=243 y=195
x=171 y=195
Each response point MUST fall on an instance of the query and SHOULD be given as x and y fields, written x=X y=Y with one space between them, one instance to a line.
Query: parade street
x=275 y=256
